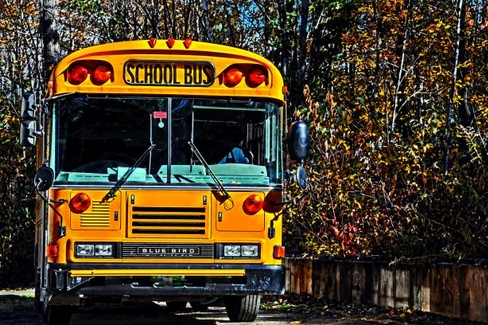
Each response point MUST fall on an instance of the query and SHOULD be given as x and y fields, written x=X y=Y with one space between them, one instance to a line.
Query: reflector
x=278 y=252
x=52 y=250
x=232 y=77
x=80 y=203
x=77 y=74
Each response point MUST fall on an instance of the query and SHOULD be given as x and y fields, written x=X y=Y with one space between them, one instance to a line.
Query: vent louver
x=170 y=221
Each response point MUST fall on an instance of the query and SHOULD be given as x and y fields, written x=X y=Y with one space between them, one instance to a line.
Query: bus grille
x=170 y=221
x=187 y=251
x=99 y=216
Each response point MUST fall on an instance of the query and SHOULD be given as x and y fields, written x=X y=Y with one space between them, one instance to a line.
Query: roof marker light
x=187 y=43
x=152 y=42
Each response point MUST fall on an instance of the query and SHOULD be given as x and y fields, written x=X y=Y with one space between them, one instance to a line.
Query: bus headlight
x=250 y=250
x=232 y=250
x=239 y=250
x=94 y=250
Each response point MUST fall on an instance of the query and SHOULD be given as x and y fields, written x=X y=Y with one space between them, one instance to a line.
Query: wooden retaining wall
x=452 y=290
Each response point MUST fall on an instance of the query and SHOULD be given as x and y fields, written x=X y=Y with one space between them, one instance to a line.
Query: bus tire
x=198 y=306
x=176 y=306
x=242 y=308
x=58 y=315
x=38 y=305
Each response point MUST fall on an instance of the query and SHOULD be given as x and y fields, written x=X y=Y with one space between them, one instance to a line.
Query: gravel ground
x=16 y=308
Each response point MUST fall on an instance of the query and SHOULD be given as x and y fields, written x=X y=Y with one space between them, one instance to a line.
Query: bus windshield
x=98 y=139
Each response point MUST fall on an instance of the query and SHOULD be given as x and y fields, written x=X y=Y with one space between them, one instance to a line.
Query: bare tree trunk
x=303 y=44
x=399 y=98
x=449 y=116
x=50 y=36
x=206 y=21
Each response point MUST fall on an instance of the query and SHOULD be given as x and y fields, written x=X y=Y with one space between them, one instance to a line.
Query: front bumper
x=136 y=281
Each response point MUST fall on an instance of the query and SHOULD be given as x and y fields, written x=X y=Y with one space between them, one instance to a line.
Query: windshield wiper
x=217 y=182
x=111 y=194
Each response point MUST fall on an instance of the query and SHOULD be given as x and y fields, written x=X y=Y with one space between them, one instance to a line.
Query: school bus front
x=166 y=166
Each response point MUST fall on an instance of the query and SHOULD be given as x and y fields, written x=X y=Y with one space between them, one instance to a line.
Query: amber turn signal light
x=253 y=204
x=80 y=203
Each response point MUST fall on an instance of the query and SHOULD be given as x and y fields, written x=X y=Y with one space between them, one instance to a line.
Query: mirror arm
x=272 y=229
x=61 y=229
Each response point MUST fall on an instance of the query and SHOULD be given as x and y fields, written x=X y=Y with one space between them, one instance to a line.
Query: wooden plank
x=474 y=293
x=319 y=278
x=387 y=288
x=450 y=290
x=402 y=287
x=358 y=285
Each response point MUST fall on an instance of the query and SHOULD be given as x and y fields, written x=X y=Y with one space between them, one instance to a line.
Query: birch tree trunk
x=48 y=28
x=452 y=95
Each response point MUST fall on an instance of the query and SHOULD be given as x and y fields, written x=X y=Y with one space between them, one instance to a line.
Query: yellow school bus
x=160 y=176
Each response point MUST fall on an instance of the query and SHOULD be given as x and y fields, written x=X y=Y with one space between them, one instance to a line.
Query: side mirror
x=28 y=108
x=44 y=178
x=298 y=141
x=28 y=124
x=302 y=179
x=28 y=133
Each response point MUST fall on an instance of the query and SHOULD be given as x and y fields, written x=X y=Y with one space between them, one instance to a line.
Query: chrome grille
x=188 y=251
x=188 y=221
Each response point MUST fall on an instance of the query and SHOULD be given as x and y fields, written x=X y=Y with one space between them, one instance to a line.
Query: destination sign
x=169 y=73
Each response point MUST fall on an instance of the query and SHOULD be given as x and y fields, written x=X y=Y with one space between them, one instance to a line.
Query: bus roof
x=167 y=67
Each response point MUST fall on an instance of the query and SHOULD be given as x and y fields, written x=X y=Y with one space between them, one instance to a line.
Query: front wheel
x=176 y=306
x=58 y=315
x=242 y=308
x=37 y=293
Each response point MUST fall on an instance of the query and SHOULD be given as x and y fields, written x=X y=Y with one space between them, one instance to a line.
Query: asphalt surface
x=16 y=308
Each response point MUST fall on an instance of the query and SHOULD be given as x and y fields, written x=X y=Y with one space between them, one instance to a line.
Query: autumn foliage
x=399 y=154
x=395 y=94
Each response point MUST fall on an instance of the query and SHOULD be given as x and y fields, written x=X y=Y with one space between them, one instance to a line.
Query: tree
x=18 y=71
x=380 y=136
